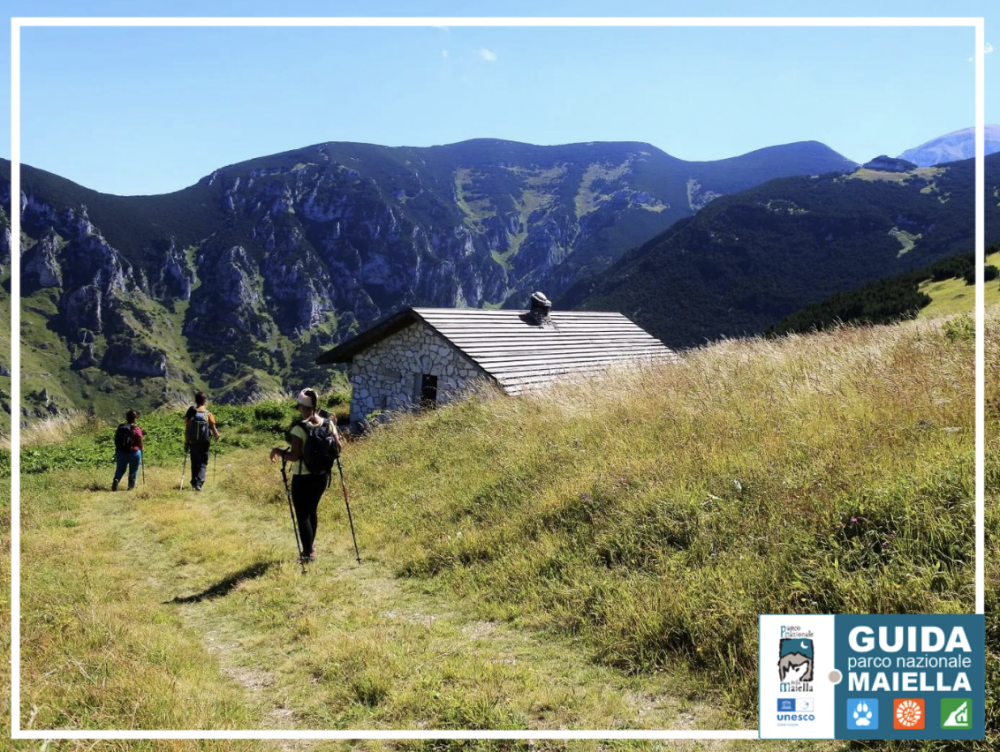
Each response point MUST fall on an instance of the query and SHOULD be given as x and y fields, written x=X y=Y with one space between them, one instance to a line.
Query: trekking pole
x=291 y=511
x=184 y=467
x=343 y=487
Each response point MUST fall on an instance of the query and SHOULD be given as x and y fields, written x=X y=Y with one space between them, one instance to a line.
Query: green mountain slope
x=747 y=260
x=943 y=288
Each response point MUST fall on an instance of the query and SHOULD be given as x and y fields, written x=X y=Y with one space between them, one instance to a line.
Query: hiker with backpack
x=199 y=430
x=315 y=446
x=128 y=450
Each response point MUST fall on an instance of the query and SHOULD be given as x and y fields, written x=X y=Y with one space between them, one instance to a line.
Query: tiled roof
x=519 y=354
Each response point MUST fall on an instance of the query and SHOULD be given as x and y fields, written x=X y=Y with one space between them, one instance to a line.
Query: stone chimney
x=538 y=314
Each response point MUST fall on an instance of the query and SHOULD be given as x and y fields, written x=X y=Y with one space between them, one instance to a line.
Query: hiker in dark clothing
x=307 y=487
x=128 y=450
x=199 y=430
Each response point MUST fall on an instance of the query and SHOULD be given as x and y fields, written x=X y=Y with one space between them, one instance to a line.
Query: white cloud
x=444 y=53
x=490 y=57
x=987 y=49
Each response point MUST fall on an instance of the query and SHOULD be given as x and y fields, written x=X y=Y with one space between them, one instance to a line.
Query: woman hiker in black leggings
x=307 y=488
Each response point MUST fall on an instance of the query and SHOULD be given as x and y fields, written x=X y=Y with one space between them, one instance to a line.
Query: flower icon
x=908 y=714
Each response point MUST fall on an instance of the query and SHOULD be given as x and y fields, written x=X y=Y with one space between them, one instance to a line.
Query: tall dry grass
x=655 y=513
x=56 y=429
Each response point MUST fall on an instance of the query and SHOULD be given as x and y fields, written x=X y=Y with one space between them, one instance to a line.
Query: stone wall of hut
x=388 y=375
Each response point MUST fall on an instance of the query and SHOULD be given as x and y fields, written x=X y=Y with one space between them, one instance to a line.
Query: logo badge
x=956 y=713
x=862 y=714
x=908 y=714
x=786 y=704
x=795 y=660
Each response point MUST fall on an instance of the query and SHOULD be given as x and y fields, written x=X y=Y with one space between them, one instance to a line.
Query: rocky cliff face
x=72 y=255
x=235 y=282
x=4 y=242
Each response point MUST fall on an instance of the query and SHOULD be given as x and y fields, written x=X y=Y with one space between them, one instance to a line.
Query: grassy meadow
x=594 y=556
x=951 y=296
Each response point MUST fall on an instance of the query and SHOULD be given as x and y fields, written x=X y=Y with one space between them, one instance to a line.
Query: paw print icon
x=862 y=714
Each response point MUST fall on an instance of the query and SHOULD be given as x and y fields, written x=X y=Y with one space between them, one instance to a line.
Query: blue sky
x=149 y=110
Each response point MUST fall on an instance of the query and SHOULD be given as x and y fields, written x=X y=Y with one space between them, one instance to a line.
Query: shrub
x=961 y=328
x=338 y=398
x=264 y=413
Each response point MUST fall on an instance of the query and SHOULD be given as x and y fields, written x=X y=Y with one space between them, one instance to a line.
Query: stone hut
x=426 y=355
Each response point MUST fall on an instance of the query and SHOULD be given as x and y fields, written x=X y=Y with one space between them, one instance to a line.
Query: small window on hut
x=428 y=390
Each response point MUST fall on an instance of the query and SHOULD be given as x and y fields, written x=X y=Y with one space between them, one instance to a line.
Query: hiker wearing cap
x=128 y=450
x=311 y=457
x=199 y=430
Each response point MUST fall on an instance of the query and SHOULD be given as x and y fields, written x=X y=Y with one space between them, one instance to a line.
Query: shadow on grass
x=227 y=585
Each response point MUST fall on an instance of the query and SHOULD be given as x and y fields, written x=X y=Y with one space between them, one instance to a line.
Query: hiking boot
x=312 y=556
x=114 y=485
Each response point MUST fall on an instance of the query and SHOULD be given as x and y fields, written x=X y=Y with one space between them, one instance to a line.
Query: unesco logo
x=796 y=709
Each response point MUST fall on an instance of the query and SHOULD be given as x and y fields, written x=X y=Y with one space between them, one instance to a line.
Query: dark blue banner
x=919 y=676
x=910 y=677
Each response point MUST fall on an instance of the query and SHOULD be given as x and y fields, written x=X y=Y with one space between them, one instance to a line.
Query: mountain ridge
x=749 y=259
x=953 y=147
x=236 y=282
x=470 y=142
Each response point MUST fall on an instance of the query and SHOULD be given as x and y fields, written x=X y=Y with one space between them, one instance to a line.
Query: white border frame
x=15 y=319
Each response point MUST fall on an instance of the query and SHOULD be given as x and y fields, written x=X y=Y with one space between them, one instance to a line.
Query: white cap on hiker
x=304 y=399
